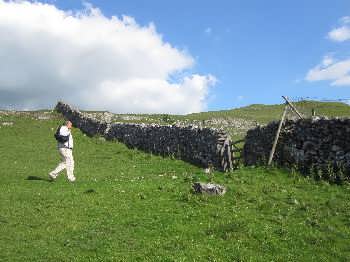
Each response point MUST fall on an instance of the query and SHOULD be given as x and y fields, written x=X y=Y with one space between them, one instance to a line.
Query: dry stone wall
x=200 y=146
x=320 y=147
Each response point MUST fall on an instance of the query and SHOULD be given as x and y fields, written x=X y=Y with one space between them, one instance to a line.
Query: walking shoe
x=52 y=177
x=71 y=179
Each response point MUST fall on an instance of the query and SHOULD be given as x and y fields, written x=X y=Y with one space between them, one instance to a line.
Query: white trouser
x=67 y=162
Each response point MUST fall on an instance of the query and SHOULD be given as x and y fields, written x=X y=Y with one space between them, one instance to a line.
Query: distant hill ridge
x=266 y=113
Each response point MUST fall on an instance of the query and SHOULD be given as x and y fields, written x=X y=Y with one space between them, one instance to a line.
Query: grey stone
x=336 y=148
x=7 y=123
x=211 y=189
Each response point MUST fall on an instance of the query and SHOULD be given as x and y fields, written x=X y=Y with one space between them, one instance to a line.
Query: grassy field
x=127 y=205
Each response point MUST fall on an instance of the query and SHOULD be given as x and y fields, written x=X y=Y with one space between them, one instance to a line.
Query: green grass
x=266 y=113
x=127 y=205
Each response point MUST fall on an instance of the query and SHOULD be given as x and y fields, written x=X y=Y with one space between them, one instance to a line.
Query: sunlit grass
x=127 y=205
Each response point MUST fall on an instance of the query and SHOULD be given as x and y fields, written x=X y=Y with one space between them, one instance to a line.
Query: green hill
x=265 y=113
x=127 y=205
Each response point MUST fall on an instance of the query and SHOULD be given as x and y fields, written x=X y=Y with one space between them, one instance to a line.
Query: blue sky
x=256 y=50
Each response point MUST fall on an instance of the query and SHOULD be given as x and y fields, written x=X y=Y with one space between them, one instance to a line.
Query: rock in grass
x=7 y=123
x=210 y=189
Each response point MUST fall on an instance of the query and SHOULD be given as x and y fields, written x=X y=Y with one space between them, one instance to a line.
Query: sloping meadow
x=128 y=205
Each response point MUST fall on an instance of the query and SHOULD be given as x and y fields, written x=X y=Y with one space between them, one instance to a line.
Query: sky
x=175 y=57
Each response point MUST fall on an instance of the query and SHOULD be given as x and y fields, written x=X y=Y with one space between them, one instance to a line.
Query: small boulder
x=210 y=189
x=7 y=123
x=41 y=117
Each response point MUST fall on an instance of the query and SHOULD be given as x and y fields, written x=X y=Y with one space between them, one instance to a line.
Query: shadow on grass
x=38 y=178
x=89 y=191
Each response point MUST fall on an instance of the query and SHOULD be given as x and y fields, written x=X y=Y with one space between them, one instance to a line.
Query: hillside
x=235 y=121
x=266 y=113
x=127 y=205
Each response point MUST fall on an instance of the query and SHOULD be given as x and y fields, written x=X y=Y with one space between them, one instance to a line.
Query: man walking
x=65 y=148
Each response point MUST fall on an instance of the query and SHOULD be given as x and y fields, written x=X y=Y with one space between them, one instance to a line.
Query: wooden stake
x=292 y=106
x=313 y=112
x=278 y=134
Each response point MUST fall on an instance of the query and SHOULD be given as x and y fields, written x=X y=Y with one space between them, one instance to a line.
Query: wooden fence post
x=313 y=112
x=278 y=134
x=292 y=107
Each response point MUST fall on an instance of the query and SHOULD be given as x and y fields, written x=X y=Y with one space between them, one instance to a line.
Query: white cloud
x=327 y=60
x=341 y=33
x=336 y=72
x=147 y=95
x=93 y=62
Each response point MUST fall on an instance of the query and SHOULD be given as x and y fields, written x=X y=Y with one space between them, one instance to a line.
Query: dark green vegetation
x=127 y=205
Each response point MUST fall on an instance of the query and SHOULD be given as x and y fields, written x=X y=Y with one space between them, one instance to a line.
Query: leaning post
x=292 y=107
x=278 y=134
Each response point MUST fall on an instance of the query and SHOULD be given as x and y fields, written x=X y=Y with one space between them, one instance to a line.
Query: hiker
x=65 y=148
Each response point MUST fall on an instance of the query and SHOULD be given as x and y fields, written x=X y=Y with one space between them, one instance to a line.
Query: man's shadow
x=38 y=178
